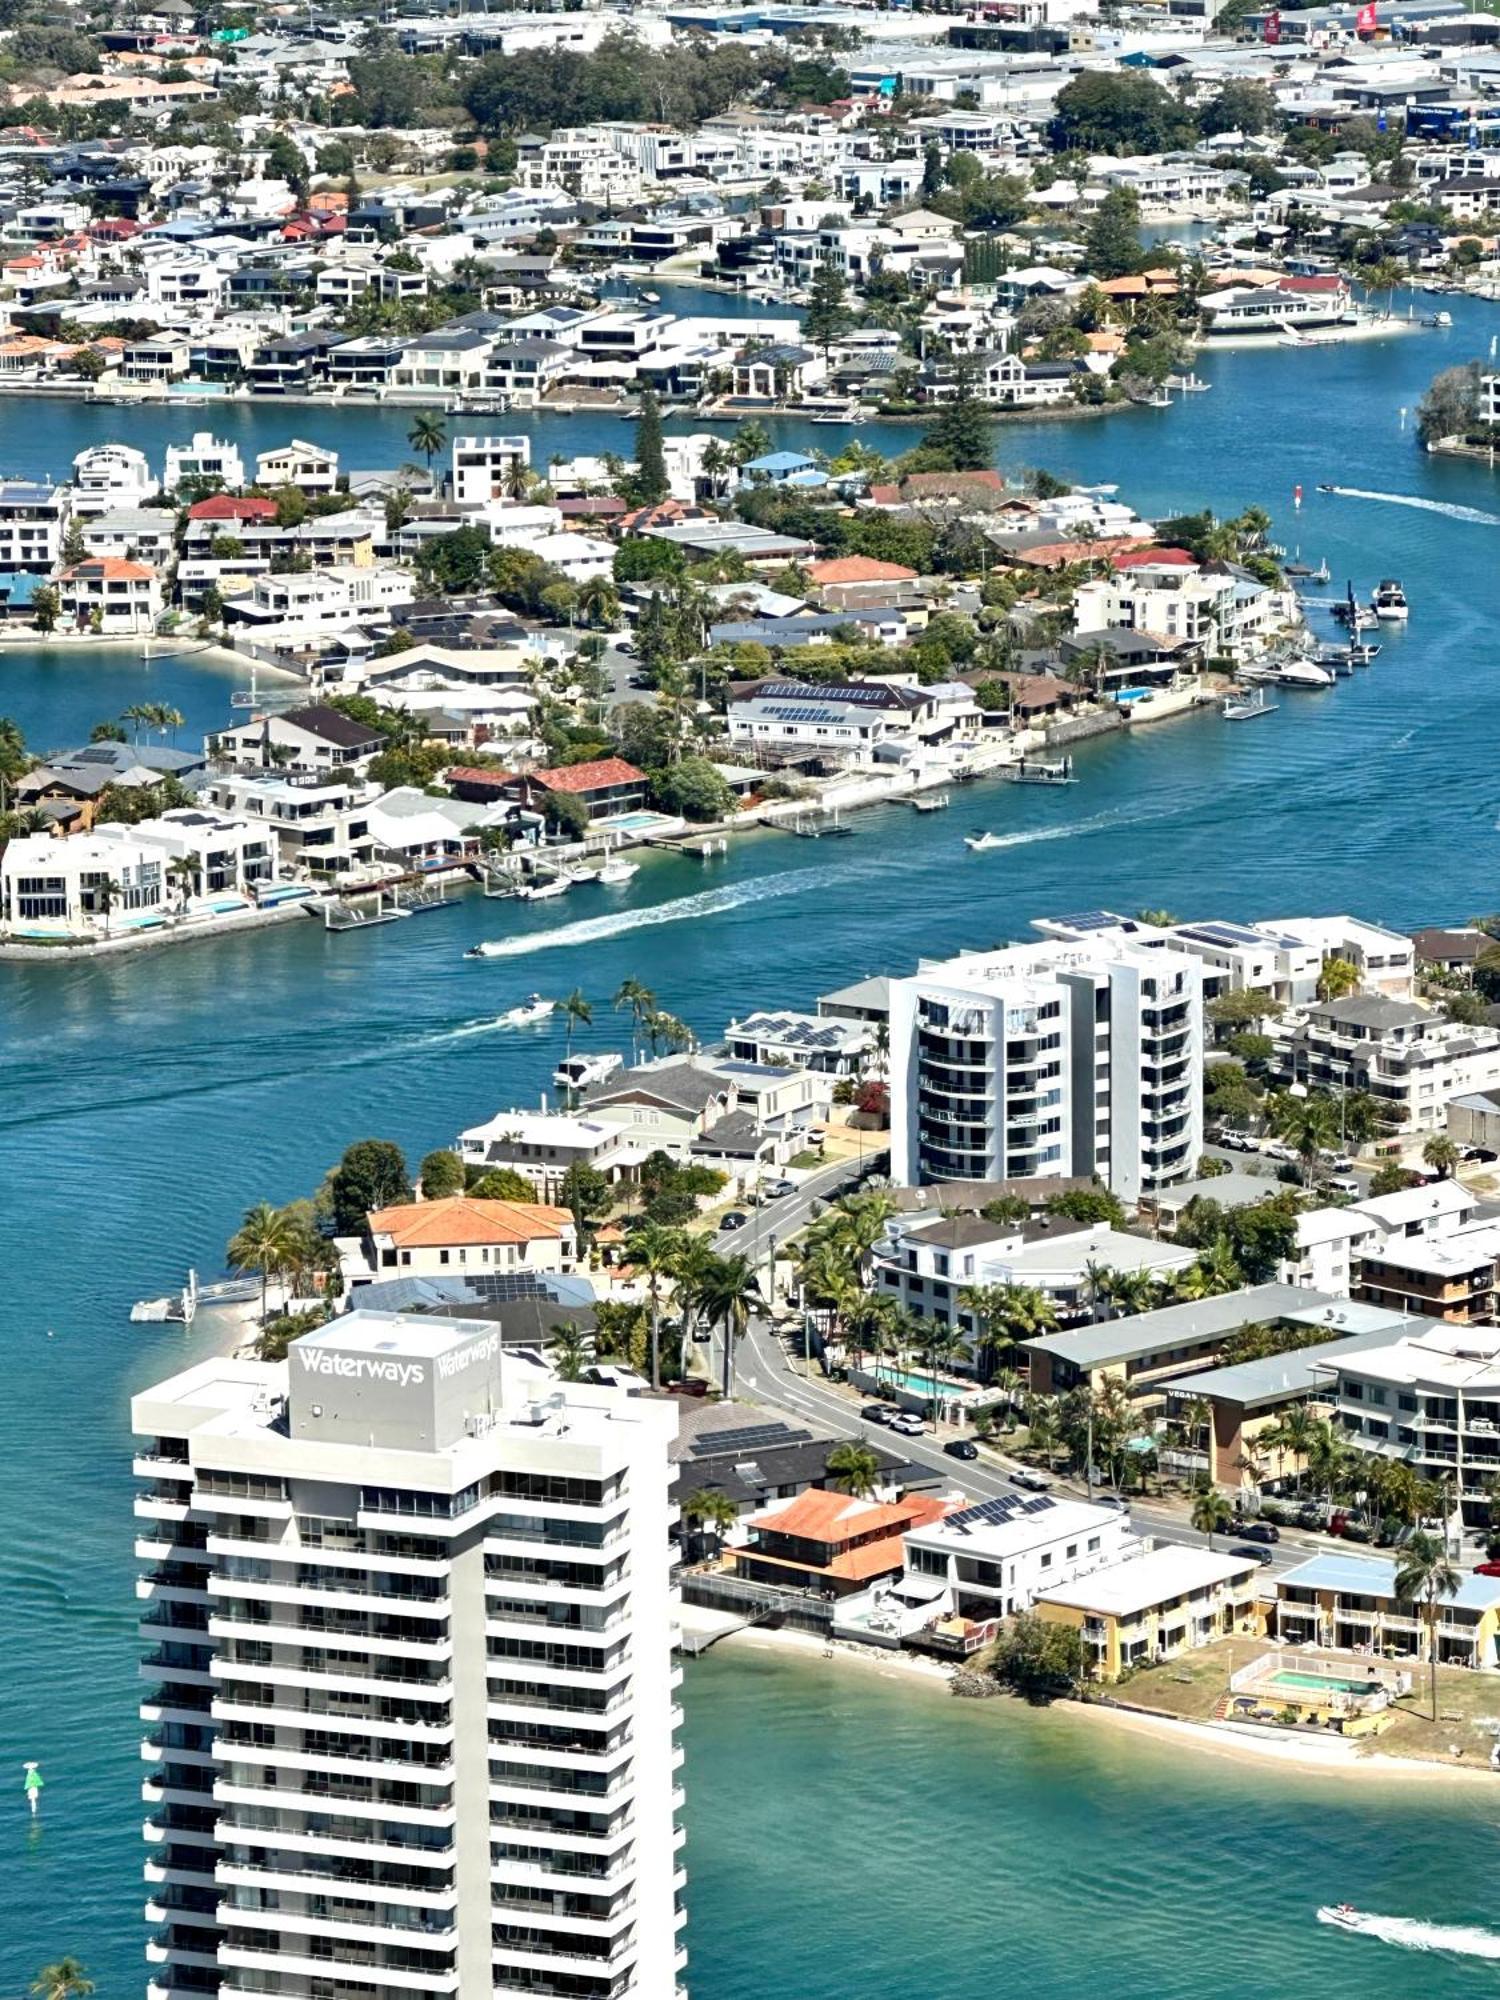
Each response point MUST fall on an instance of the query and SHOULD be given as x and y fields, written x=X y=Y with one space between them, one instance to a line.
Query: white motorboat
x=980 y=843
x=578 y=1072
x=1390 y=602
x=930 y=805
x=1344 y=1915
x=578 y=875
x=528 y=1013
x=543 y=892
x=1302 y=673
x=616 y=871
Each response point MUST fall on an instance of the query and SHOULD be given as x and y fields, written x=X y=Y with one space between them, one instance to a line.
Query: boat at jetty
x=577 y=1072
x=543 y=892
x=616 y=871
x=930 y=805
x=1040 y=771
x=1362 y=653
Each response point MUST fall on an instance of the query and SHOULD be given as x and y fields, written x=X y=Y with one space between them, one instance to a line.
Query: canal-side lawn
x=1190 y=1688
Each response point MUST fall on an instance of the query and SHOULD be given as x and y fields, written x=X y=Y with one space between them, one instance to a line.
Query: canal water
x=149 y=1100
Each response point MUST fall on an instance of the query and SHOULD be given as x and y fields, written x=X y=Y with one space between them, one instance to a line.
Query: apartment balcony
x=393 y=1729
x=365 y=1681
x=542 y=1786
x=356 y=1880
x=160 y=1788
x=371 y=1849
x=441 y=1933
x=546 y=1590
x=568 y=1755
x=171 y=1590
x=154 y=1665
x=511 y=1707
x=537 y=1956
x=336 y=1805
x=546 y=1876
x=157 y=1832
x=149 y=1465
x=536 y=1625
x=607 y=1839
x=346 y=1597
x=398 y=1770
x=279 y=1550
x=173 y=1708
x=180 y=1945
x=527 y=1542
x=321 y=1637
x=352 y=1965
x=208 y=1499
x=188 y=1756
x=172 y=1547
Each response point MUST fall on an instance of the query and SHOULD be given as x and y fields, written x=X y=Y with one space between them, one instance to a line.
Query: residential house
x=307 y=466
x=109 y=595
x=604 y=787
x=543 y=1145
x=107 y=476
x=299 y=739
x=1350 y=1602
x=464 y=1236
x=1154 y=1606
x=832 y=1543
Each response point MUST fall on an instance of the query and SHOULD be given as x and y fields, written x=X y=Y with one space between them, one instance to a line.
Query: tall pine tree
x=650 y=460
x=962 y=431
x=827 y=316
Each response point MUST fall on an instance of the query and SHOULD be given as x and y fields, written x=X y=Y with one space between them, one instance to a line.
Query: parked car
x=778 y=1190
x=1340 y=1162
x=878 y=1413
x=961 y=1448
x=1034 y=1482
x=1339 y=1184
x=1253 y=1553
x=1258 y=1531
x=1234 y=1142
x=907 y=1425
x=736 y=1219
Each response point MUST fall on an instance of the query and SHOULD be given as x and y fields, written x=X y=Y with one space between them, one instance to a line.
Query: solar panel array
x=1007 y=1507
x=1089 y=920
x=855 y=693
x=753 y=1437
x=783 y=714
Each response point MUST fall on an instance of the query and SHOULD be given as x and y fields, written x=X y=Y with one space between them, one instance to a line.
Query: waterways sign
x=379 y=1379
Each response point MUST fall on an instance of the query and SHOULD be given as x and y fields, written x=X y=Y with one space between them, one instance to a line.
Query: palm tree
x=715 y=463
x=577 y=1013
x=751 y=440
x=655 y=1251
x=166 y=718
x=1294 y=1435
x=856 y=1467
x=63 y=1979
x=1307 y=1124
x=183 y=871
x=264 y=1242
x=599 y=602
x=695 y=1260
x=1212 y=1514
x=1423 y=1575
x=1441 y=1155
x=138 y=715
x=640 y=1000
x=107 y=892
x=1338 y=979
x=1328 y=1459
x=1197 y=1415
x=1042 y=1430
x=1131 y=1292
x=944 y=1345
x=427 y=435
x=569 y=1350
x=713 y=1509
x=729 y=1291
x=517 y=480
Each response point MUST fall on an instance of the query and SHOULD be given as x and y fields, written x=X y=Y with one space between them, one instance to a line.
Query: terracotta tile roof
x=822 y=1515
x=860 y=569
x=1153 y=559
x=1052 y=555
x=590 y=777
x=228 y=507
x=474 y=774
x=460 y=1219
x=109 y=568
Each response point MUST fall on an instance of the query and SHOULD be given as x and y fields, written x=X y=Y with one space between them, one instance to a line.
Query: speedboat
x=1390 y=601
x=543 y=892
x=616 y=871
x=1303 y=674
x=979 y=843
x=1343 y=1914
x=486 y=948
x=578 y=1072
x=528 y=1013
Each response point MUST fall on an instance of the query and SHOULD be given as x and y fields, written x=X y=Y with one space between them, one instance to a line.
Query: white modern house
x=996 y=1558
x=407 y=1614
x=110 y=595
x=207 y=458
x=118 y=878
x=482 y=465
x=542 y=1145
x=106 y=476
x=1054 y=1059
x=299 y=463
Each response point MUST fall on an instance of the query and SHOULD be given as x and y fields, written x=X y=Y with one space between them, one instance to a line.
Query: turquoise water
x=1321 y=1681
x=880 y=1839
x=844 y=1835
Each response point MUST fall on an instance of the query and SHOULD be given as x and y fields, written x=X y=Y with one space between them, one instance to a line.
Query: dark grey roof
x=333 y=726
x=736 y=1133
x=1370 y=1010
x=683 y=1083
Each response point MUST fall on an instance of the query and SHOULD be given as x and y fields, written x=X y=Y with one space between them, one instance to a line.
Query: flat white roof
x=997 y=1528
x=1417 y=1204
x=1140 y=1583
x=365 y=1332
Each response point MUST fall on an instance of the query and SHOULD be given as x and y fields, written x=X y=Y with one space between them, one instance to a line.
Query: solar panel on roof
x=1000 y=1511
x=751 y=1438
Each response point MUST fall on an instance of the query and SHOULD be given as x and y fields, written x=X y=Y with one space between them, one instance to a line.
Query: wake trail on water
x=1468 y=1940
x=681 y=909
x=1447 y=508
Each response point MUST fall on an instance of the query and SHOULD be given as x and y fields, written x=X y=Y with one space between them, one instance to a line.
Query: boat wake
x=681 y=909
x=1445 y=507
x=1469 y=1941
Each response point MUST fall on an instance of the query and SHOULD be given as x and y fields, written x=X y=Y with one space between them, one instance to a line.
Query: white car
x=907 y=1425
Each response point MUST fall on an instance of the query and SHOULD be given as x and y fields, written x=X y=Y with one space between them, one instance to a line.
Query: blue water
x=835 y=1823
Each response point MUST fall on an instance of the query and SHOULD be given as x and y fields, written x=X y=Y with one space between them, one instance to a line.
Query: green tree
x=1094 y=1204
x=655 y=1252
x=63 y=1979
x=428 y=435
x=586 y=1192
x=496 y=1184
x=1425 y=1576
x=827 y=316
x=729 y=1294
x=713 y=1510
x=1113 y=241
x=1450 y=404
x=856 y=1467
x=1212 y=1514
x=696 y=790
x=263 y=1243
x=1039 y=1659
x=46 y=607
x=569 y=1351
x=371 y=1175
x=576 y=1012
x=960 y=439
x=442 y=1173
x=650 y=482
x=639 y=998
x=1122 y=112
x=1441 y=1155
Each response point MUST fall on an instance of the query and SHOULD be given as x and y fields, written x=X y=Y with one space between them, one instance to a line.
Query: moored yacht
x=578 y=1072
x=1390 y=601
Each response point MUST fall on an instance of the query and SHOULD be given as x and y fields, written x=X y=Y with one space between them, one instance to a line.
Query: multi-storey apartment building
x=1051 y=1059
x=408 y=1619
x=1408 y=1058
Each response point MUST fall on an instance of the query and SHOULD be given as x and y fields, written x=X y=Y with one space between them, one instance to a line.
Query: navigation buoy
x=1296 y=496
x=32 y=1784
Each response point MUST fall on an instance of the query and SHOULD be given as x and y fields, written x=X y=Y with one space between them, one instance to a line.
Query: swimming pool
x=918 y=1383
x=634 y=822
x=1324 y=1683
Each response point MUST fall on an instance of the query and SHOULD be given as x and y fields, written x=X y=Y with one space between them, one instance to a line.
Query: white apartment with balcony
x=1052 y=1059
x=483 y=465
x=407 y=1618
x=107 y=476
x=996 y=1558
x=1409 y=1059
x=205 y=457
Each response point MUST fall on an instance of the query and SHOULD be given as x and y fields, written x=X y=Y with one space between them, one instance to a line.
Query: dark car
x=961 y=1448
x=1258 y=1531
x=1253 y=1553
x=736 y=1219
